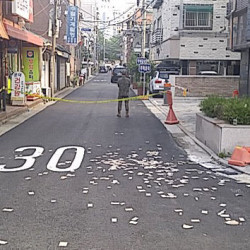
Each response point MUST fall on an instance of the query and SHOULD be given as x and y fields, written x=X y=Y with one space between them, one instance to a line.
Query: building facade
x=133 y=34
x=20 y=51
x=68 y=56
x=239 y=19
x=192 y=34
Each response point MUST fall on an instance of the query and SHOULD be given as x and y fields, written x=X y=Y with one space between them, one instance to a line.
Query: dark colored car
x=102 y=69
x=117 y=73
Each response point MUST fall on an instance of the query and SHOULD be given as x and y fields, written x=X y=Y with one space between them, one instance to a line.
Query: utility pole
x=104 y=48
x=53 y=56
x=143 y=44
x=144 y=19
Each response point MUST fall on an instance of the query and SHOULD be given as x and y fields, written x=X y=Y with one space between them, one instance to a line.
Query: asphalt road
x=82 y=178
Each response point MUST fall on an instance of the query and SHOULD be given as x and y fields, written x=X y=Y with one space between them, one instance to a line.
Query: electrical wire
x=44 y=8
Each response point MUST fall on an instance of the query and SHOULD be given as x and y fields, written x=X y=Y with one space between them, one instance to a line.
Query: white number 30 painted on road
x=52 y=165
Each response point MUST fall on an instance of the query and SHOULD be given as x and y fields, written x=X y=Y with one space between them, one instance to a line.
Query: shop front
x=23 y=54
x=62 y=78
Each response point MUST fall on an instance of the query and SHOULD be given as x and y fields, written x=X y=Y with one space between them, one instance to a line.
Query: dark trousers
x=120 y=104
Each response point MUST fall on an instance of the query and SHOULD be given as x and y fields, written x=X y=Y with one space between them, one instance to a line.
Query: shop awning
x=3 y=32
x=16 y=32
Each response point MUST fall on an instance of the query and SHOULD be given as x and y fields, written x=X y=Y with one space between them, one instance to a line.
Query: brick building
x=192 y=34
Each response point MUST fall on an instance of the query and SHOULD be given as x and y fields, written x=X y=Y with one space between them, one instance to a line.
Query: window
x=198 y=17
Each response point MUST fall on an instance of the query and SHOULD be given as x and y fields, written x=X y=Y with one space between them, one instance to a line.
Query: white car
x=156 y=85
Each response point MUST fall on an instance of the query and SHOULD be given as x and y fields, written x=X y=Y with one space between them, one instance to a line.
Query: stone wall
x=202 y=86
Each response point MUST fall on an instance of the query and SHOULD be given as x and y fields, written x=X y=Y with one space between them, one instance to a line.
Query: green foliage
x=224 y=155
x=133 y=68
x=229 y=109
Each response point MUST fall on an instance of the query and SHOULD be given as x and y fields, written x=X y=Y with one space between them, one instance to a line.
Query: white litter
x=90 y=205
x=232 y=222
x=185 y=226
x=241 y=219
x=8 y=209
x=114 y=220
x=195 y=220
x=3 y=242
x=129 y=209
x=63 y=244
x=204 y=212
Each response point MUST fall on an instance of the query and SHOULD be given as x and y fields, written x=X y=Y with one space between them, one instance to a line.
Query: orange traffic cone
x=171 y=118
x=248 y=149
x=240 y=157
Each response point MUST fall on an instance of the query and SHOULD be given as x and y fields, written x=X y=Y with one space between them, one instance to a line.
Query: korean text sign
x=18 y=86
x=31 y=64
x=72 y=25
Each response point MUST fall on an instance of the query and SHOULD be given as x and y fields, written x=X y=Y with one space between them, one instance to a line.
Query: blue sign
x=72 y=25
x=141 y=60
x=85 y=29
x=145 y=68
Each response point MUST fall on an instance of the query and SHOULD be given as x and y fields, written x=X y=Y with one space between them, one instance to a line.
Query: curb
x=6 y=116
x=200 y=144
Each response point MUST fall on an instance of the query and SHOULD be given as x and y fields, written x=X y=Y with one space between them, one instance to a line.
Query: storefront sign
x=31 y=64
x=12 y=46
x=21 y=8
x=18 y=88
x=72 y=25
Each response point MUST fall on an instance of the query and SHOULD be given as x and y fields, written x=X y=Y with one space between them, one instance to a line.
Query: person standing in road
x=123 y=85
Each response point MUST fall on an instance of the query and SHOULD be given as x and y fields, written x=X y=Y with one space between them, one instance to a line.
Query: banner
x=31 y=64
x=72 y=25
x=18 y=87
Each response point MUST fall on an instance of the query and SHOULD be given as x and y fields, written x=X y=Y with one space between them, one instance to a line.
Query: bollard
x=167 y=87
x=171 y=118
x=236 y=93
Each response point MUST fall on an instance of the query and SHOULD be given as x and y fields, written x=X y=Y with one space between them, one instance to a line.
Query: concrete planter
x=220 y=136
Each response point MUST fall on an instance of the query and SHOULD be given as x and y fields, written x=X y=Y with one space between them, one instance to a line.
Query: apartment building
x=192 y=34
x=239 y=18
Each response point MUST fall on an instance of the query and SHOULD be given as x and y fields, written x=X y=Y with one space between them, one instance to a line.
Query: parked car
x=208 y=73
x=117 y=73
x=103 y=69
x=156 y=85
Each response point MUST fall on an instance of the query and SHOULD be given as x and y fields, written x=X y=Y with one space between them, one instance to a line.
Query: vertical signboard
x=31 y=64
x=72 y=25
x=21 y=8
x=18 y=88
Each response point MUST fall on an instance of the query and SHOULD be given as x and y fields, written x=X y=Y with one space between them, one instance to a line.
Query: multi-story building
x=192 y=34
x=133 y=34
x=20 y=50
x=67 y=54
x=88 y=27
x=239 y=19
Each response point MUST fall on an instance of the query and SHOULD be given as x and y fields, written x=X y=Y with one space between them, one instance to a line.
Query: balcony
x=157 y=36
x=157 y=4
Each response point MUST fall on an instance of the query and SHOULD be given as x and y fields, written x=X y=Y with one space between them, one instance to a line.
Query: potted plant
x=224 y=123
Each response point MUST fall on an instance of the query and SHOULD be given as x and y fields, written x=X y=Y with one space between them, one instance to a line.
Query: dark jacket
x=123 y=85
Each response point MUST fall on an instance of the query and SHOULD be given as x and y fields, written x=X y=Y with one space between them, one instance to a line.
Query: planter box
x=220 y=136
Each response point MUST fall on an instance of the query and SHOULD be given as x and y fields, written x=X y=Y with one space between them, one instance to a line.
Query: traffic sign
x=145 y=68
x=85 y=29
x=141 y=60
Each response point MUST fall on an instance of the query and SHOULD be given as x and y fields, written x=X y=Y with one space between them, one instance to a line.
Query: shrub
x=228 y=109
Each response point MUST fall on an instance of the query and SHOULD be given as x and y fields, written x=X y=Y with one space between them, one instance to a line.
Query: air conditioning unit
x=46 y=91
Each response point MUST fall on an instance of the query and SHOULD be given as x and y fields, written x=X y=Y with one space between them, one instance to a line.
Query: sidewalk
x=14 y=111
x=185 y=109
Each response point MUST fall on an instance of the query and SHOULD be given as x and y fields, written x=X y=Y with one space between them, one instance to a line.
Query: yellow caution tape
x=141 y=97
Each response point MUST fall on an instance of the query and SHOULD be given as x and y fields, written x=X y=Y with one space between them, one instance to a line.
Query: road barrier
x=134 y=98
